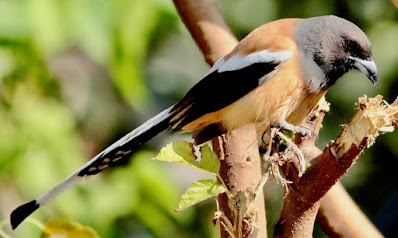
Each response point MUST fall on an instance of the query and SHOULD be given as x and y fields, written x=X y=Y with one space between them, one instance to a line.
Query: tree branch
x=207 y=27
x=241 y=170
x=240 y=160
x=301 y=204
x=339 y=216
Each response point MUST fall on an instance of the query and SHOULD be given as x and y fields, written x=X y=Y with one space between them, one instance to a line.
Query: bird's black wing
x=221 y=87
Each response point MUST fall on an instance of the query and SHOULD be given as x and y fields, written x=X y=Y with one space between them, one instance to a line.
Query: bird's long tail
x=114 y=154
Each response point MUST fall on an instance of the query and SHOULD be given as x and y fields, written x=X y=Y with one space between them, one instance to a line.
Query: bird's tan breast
x=300 y=113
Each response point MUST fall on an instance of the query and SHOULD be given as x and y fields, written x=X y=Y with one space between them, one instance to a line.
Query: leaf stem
x=229 y=194
x=36 y=223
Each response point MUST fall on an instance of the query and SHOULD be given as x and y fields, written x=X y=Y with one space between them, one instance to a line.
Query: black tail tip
x=22 y=212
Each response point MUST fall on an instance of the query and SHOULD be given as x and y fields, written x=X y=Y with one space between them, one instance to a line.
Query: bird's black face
x=347 y=53
x=360 y=58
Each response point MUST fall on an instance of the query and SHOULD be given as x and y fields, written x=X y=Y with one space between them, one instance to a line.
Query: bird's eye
x=353 y=49
x=351 y=46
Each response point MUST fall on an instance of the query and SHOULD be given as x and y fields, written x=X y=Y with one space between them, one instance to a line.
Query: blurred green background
x=76 y=75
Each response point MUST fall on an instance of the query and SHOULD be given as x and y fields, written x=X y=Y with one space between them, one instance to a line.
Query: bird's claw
x=298 y=129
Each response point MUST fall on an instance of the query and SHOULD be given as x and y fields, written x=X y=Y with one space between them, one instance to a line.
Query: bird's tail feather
x=116 y=153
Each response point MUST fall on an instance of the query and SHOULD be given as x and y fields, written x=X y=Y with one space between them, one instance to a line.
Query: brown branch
x=207 y=27
x=339 y=216
x=240 y=164
x=301 y=204
x=241 y=169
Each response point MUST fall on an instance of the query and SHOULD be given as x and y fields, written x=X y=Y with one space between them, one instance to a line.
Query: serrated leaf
x=183 y=152
x=64 y=228
x=199 y=191
x=168 y=154
x=209 y=160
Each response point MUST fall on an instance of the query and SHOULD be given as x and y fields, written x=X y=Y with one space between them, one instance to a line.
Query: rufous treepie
x=274 y=77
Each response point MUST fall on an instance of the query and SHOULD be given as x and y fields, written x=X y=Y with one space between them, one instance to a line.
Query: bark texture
x=240 y=160
x=241 y=169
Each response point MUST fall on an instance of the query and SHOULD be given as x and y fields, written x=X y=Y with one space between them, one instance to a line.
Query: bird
x=274 y=76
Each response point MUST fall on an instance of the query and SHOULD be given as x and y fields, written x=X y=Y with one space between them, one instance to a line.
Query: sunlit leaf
x=209 y=160
x=199 y=191
x=184 y=152
x=65 y=228
x=168 y=153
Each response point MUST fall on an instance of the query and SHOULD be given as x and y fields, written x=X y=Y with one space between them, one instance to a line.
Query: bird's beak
x=368 y=67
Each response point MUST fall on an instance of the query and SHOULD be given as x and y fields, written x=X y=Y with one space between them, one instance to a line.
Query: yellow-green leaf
x=64 y=228
x=199 y=191
x=183 y=152
x=209 y=160
x=168 y=154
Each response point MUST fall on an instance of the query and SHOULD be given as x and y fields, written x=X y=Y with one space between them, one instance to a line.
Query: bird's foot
x=298 y=129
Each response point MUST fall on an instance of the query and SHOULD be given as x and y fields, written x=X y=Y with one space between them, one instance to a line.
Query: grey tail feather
x=113 y=155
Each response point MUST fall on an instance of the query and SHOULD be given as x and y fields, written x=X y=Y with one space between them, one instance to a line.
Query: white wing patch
x=264 y=78
x=237 y=62
x=216 y=66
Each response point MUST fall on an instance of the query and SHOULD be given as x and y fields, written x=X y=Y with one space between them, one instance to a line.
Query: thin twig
x=223 y=183
x=264 y=177
x=36 y=223
x=302 y=162
x=261 y=184
x=225 y=226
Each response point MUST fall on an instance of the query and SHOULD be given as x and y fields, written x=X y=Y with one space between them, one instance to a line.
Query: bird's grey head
x=329 y=47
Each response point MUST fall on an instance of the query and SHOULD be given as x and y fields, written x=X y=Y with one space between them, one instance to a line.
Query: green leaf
x=168 y=154
x=209 y=161
x=60 y=228
x=184 y=152
x=199 y=191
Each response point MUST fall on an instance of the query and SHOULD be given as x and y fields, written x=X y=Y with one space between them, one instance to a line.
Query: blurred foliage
x=59 y=227
x=75 y=75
